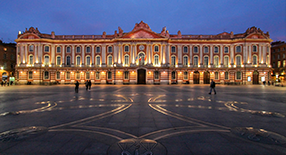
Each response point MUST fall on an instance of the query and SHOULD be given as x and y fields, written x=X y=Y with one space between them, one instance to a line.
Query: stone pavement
x=142 y=120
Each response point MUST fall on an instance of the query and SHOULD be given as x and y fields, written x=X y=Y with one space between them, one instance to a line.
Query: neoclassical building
x=142 y=56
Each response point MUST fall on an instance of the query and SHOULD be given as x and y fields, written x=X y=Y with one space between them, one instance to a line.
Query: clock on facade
x=141 y=47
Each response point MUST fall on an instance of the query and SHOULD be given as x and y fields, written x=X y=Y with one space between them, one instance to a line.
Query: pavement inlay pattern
x=143 y=120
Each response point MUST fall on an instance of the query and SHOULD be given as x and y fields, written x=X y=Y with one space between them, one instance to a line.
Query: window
x=87 y=75
x=31 y=59
x=185 y=61
x=47 y=49
x=126 y=48
x=87 y=49
x=186 y=75
x=110 y=49
x=31 y=48
x=97 y=75
x=196 y=49
x=97 y=49
x=78 y=49
x=278 y=64
x=126 y=60
x=173 y=60
x=254 y=48
x=226 y=61
x=68 y=75
x=254 y=60
x=225 y=49
x=173 y=75
x=156 y=60
x=78 y=60
x=216 y=61
x=68 y=60
x=226 y=75
x=238 y=75
x=173 y=49
x=58 y=75
x=77 y=75
x=238 y=60
x=215 y=49
x=58 y=49
x=109 y=60
x=126 y=75
x=98 y=60
x=206 y=49
x=46 y=75
x=238 y=49
x=278 y=56
x=156 y=48
x=196 y=61
x=30 y=75
x=216 y=75
x=68 y=49
x=206 y=61
x=156 y=75
x=88 y=60
x=109 y=75
x=185 y=49
x=47 y=60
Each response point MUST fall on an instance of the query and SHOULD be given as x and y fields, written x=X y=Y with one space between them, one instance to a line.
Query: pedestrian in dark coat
x=76 y=86
x=86 y=85
x=89 y=84
x=212 y=86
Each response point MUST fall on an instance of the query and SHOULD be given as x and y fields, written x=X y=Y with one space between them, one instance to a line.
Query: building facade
x=278 y=61
x=142 y=56
x=7 y=61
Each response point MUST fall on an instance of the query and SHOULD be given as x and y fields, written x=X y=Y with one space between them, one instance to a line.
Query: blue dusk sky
x=92 y=17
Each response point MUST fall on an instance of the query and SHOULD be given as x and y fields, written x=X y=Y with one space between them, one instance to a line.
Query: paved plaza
x=142 y=120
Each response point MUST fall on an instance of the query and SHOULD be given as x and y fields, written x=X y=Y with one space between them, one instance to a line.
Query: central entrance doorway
x=206 y=77
x=141 y=76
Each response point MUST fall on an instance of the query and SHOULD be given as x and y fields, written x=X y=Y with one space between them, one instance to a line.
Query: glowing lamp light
x=1 y=68
x=19 y=32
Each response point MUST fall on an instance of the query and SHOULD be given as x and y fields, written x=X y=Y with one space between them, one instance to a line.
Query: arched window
x=68 y=60
x=215 y=49
x=254 y=60
x=68 y=75
x=46 y=75
x=173 y=60
x=225 y=49
x=97 y=60
x=156 y=48
x=47 y=60
x=238 y=60
x=87 y=60
x=156 y=75
x=156 y=60
x=110 y=49
x=31 y=48
x=77 y=75
x=109 y=60
x=173 y=75
x=97 y=75
x=173 y=49
x=97 y=49
x=126 y=75
x=78 y=49
x=30 y=75
x=87 y=75
x=31 y=59
x=186 y=75
x=226 y=61
x=206 y=61
x=185 y=61
x=254 y=48
x=126 y=48
x=196 y=49
x=68 y=49
x=185 y=49
x=47 y=49
x=238 y=75
x=216 y=75
x=87 y=49
x=58 y=75
x=206 y=49
x=196 y=61
x=226 y=75
x=78 y=60
x=216 y=61
x=238 y=49
x=58 y=49
x=126 y=60
x=58 y=62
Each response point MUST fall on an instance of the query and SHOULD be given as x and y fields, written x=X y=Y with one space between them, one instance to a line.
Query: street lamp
x=114 y=65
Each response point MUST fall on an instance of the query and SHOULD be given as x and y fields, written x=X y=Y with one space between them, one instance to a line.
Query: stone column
x=161 y=53
x=135 y=53
x=191 y=54
x=244 y=55
x=231 y=55
x=264 y=54
x=249 y=56
x=73 y=55
x=82 y=55
x=26 y=53
x=180 y=55
x=119 y=53
x=63 y=55
x=53 y=54
x=147 y=53
x=40 y=51
x=221 y=55
x=103 y=64
x=36 y=54
x=167 y=54
x=260 y=54
x=201 y=55
x=92 y=54
x=151 y=53
x=211 y=54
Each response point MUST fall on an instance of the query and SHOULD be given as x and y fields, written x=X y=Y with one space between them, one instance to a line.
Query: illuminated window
x=173 y=60
x=238 y=75
x=58 y=49
x=97 y=75
x=88 y=60
x=156 y=60
x=30 y=75
x=185 y=49
x=126 y=60
x=87 y=49
x=173 y=49
x=87 y=75
x=126 y=75
x=196 y=61
x=58 y=75
x=216 y=61
x=47 y=60
x=156 y=48
x=109 y=60
x=78 y=60
x=206 y=61
x=216 y=75
x=31 y=59
x=185 y=61
x=58 y=60
x=68 y=75
x=238 y=60
x=77 y=75
x=226 y=75
x=254 y=60
x=226 y=61
x=284 y=63
x=78 y=49
x=278 y=64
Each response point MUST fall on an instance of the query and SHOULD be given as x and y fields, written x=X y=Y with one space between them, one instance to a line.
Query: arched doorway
x=206 y=77
x=141 y=76
x=255 y=77
x=196 y=77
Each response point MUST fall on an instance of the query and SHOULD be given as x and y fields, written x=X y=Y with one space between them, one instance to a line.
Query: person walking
x=86 y=85
x=76 y=86
x=89 y=84
x=212 y=86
